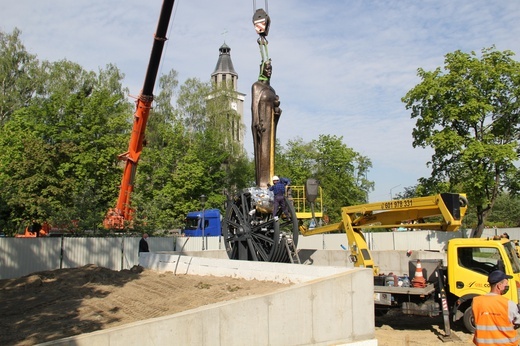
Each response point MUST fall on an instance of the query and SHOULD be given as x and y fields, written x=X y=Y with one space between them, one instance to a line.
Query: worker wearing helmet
x=278 y=189
x=496 y=317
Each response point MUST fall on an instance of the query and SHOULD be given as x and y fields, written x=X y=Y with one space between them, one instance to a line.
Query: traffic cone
x=418 y=280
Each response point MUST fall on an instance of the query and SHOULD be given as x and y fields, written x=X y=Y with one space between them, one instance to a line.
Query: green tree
x=506 y=211
x=296 y=161
x=192 y=103
x=58 y=154
x=340 y=170
x=190 y=151
x=62 y=129
x=224 y=128
x=410 y=192
x=19 y=74
x=468 y=113
x=342 y=174
x=24 y=188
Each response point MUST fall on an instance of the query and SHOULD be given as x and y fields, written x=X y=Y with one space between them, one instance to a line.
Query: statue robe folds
x=265 y=112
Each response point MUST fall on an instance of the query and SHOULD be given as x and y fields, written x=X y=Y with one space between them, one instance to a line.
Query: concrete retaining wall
x=333 y=260
x=327 y=306
x=180 y=264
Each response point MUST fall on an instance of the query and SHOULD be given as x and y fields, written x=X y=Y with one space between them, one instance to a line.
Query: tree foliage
x=18 y=74
x=506 y=211
x=409 y=192
x=190 y=152
x=468 y=112
x=62 y=129
x=57 y=159
x=340 y=170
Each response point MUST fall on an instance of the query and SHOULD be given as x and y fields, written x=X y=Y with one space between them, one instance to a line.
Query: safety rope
x=264 y=52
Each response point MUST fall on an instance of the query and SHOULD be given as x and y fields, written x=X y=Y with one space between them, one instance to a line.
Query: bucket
x=390 y=280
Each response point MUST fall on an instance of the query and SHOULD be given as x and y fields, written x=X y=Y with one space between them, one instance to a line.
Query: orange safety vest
x=493 y=327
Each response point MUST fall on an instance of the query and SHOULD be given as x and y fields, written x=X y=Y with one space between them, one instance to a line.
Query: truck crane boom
x=443 y=212
x=452 y=281
x=116 y=217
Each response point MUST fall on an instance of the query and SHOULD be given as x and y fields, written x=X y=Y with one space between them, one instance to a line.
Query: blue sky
x=339 y=67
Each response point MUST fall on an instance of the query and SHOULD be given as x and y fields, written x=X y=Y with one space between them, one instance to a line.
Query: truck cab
x=206 y=223
x=469 y=263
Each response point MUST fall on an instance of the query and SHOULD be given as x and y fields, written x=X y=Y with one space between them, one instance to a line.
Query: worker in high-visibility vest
x=496 y=317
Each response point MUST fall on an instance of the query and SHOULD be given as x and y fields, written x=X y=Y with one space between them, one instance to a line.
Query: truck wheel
x=469 y=320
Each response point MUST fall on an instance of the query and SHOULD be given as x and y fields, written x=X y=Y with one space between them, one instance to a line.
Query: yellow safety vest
x=492 y=323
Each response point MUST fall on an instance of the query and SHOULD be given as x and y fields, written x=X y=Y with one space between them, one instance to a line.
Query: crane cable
x=266 y=3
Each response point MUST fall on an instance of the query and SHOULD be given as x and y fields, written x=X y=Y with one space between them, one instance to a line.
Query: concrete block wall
x=325 y=257
x=388 y=261
x=398 y=261
x=329 y=306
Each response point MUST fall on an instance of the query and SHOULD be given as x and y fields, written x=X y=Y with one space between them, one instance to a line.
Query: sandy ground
x=55 y=304
x=401 y=330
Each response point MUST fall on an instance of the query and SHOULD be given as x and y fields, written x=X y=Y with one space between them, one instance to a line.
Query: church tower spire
x=224 y=71
x=225 y=74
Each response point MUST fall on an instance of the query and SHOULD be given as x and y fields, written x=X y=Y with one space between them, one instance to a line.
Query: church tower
x=225 y=74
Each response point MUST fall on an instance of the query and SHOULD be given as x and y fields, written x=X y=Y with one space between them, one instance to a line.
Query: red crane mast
x=122 y=213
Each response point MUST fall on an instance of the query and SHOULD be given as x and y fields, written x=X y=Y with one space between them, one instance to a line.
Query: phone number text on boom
x=401 y=203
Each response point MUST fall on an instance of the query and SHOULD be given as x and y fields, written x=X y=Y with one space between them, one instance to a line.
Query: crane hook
x=261 y=21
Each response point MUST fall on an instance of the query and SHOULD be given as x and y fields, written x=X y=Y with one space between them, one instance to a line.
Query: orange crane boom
x=122 y=213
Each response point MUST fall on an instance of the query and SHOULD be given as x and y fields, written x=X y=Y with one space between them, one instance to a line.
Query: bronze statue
x=265 y=110
x=252 y=228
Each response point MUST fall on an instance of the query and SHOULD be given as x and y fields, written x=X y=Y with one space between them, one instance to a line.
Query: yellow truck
x=469 y=261
x=449 y=285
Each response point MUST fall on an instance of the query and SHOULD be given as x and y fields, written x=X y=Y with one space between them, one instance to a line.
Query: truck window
x=513 y=256
x=482 y=260
x=192 y=223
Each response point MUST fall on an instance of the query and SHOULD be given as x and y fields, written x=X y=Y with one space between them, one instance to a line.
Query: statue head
x=266 y=70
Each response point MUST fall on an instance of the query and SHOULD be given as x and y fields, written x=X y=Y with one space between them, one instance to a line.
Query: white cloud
x=340 y=67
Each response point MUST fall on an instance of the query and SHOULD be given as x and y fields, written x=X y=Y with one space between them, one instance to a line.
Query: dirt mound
x=71 y=277
x=54 y=304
